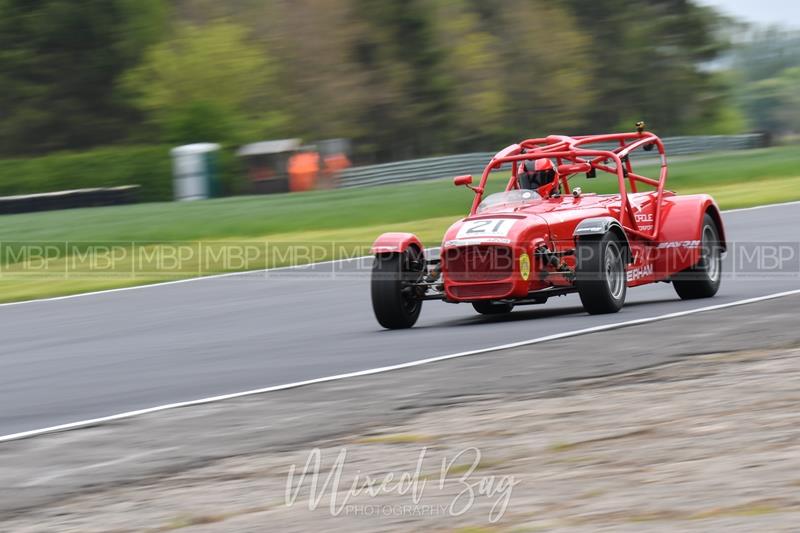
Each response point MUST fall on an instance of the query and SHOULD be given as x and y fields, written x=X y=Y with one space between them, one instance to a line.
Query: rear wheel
x=600 y=274
x=394 y=296
x=487 y=307
x=703 y=279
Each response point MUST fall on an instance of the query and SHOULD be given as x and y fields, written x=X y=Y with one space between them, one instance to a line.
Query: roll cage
x=581 y=158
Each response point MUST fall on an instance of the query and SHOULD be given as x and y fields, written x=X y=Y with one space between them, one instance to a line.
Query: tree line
x=401 y=79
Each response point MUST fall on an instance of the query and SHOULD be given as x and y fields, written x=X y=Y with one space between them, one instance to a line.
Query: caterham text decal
x=639 y=273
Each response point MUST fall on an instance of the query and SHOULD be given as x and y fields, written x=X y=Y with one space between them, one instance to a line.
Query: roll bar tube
x=562 y=147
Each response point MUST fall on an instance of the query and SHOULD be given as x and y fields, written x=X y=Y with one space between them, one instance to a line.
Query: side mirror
x=574 y=168
x=459 y=181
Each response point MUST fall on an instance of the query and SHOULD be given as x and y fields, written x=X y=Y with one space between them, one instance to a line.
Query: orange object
x=303 y=171
x=335 y=163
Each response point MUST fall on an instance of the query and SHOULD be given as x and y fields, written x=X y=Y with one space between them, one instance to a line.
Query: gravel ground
x=711 y=442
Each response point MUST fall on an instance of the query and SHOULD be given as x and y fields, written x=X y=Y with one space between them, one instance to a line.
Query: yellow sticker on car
x=525 y=266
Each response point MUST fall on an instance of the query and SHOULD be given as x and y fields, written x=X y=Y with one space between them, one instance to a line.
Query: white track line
x=765 y=206
x=250 y=272
x=557 y=336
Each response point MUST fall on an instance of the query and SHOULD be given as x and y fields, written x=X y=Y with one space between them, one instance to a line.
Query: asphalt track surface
x=66 y=360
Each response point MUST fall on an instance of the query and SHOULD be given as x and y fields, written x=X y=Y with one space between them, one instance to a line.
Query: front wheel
x=703 y=279
x=600 y=274
x=394 y=297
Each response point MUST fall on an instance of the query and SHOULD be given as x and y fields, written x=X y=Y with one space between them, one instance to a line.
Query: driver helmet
x=539 y=175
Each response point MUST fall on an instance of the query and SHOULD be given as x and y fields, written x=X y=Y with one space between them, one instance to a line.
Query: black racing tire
x=703 y=279
x=488 y=307
x=600 y=274
x=395 y=304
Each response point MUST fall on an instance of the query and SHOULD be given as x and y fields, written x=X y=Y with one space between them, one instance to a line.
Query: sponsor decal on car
x=525 y=266
x=591 y=229
x=640 y=272
x=678 y=244
x=473 y=242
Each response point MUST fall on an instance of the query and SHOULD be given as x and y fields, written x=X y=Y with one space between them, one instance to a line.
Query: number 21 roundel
x=487 y=227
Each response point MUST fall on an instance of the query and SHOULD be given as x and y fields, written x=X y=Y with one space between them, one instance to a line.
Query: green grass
x=258 y=216
x=249 y=216
x=351 y=218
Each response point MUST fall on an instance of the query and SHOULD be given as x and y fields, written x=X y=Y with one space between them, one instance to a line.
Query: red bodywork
x=525 y=250
x=395 y=242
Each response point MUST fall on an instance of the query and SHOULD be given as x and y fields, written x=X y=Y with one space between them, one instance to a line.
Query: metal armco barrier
x=50 y=201
x=474 y=163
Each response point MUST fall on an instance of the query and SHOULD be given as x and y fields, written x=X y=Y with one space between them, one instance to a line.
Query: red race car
x=541 y=238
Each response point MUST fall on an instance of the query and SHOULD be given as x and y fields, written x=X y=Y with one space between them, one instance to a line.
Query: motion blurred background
x=113 y=84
